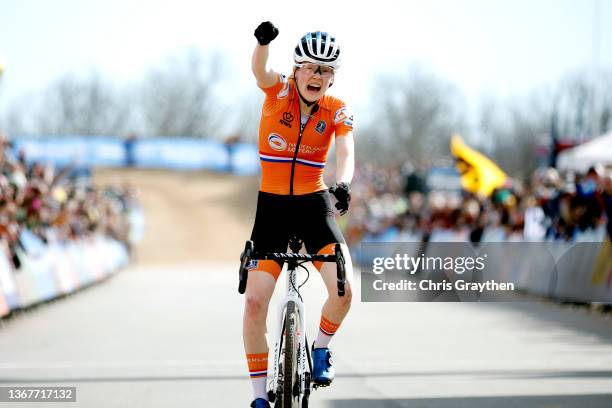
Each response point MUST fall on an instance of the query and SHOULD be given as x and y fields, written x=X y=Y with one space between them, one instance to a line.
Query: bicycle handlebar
x=249 y=253
x=288 y=256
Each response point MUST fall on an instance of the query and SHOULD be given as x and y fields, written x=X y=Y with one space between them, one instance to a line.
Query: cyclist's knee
x=348 y=295
x=343 y=301
x=256 y=305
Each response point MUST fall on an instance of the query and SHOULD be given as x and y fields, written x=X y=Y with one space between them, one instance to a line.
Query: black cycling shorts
x=309 y=217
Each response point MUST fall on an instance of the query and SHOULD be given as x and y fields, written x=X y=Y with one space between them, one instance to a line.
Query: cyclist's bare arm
x=345 y=157
x=265 y=77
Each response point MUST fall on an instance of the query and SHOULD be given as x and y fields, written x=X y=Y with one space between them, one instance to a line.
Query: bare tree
x=418 y=113
x=249 y=112
x=572 y=100
x=73 y=106
x=510 y=132
x=179 y=99
x=14 y=120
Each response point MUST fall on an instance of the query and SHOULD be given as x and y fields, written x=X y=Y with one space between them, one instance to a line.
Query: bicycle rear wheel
x=290 y=375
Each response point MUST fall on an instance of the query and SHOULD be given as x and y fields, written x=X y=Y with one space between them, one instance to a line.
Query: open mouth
x=313 y=88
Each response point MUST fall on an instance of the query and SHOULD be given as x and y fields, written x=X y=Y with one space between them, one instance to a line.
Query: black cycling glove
x=265 y=33
x=342 y=192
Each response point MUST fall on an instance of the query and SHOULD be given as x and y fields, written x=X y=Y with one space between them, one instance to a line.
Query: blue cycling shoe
x=260 y=403
x=322 y=370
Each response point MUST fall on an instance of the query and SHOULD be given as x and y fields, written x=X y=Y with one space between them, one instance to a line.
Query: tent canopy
x=580 y=158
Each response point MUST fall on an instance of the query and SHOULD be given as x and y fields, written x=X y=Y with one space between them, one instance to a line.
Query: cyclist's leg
x=260 y=286
x=335 y=307
x=267 y=237
x=259 y=290
x=321 y=235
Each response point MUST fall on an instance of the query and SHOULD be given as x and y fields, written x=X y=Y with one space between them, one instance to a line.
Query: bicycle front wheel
x=290 y=375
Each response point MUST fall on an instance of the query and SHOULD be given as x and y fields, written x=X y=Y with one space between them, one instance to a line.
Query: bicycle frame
x=292 y=295
x=293 y=260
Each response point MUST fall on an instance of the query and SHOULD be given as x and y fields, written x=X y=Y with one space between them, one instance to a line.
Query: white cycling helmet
x=318 y=48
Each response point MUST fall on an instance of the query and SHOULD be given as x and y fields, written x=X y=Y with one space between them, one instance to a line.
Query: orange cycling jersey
x=281 y=135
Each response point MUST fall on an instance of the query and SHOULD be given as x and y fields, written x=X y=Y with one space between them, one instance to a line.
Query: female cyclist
x=298 y=123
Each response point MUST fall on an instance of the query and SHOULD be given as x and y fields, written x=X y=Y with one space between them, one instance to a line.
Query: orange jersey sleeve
x=343 y=118
x=275 y=94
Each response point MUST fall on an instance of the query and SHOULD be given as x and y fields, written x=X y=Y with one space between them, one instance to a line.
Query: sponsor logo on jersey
x=285 y=90
x=343 y=116
x=306 y=149
x=320 y=126
x=287 y=119
x=277 y=142
x=253 y=263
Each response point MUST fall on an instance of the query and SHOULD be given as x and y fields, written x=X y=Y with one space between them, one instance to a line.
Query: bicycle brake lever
x=243 y=274
x=340 y=270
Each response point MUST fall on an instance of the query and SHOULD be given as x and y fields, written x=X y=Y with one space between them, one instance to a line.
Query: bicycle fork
x=304 y=365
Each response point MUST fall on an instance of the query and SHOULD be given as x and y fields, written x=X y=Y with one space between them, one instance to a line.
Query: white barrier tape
x=56 y=270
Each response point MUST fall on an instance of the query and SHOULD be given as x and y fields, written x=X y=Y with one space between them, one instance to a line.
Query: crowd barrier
x=155 y=152
x=80 y=151
x=584 y=274
x=579 y=271
x=53 y=270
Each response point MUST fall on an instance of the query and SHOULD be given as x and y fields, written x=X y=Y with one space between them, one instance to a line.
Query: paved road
x=171 y=337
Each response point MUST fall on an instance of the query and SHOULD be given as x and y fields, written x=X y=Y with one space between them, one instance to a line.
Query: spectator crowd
x=55 y=205
x=398 y=201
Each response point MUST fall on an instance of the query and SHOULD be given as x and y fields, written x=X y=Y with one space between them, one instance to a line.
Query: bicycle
x=291 y=383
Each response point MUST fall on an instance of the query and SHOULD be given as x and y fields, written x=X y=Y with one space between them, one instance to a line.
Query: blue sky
x=495 y=48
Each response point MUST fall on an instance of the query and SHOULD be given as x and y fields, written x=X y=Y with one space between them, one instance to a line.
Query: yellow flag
x=602 y=271
x=479 y=174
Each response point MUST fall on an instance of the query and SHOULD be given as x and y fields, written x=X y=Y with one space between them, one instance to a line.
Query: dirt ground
x=190 y=217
